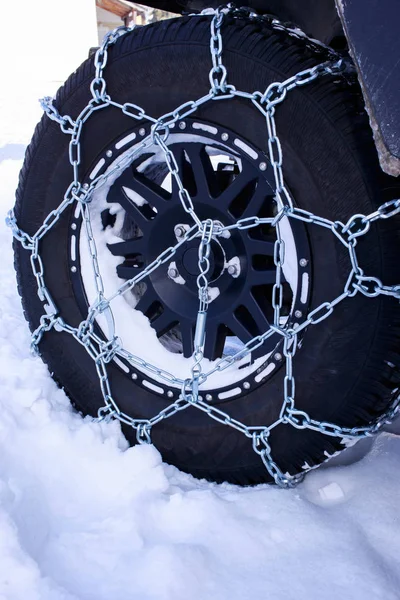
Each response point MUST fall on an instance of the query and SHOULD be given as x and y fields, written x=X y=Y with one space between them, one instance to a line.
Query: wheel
x=346 y=368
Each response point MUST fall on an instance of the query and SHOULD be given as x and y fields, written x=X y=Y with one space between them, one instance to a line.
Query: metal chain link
x=104 y=351
x=218 y=74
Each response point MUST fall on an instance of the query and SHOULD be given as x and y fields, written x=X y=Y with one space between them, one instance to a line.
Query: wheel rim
x=140 y=215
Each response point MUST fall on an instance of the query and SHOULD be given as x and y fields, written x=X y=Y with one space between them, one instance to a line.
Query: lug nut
x=173 y=273
x=179 y=231
x=182 y=125
x=232 y=270
x=263 y=166
x=246 y=385
x=303 y=262
x=208 y=397
x=298 y=314
x=225 y=137
x=278 y=356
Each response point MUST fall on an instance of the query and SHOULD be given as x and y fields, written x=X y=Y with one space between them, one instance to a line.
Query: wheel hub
x=190 y=261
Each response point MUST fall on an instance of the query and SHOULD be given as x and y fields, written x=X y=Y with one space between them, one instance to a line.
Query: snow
x=84 y=517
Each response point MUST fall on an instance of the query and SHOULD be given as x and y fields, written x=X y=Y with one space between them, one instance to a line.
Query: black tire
x=348 y=367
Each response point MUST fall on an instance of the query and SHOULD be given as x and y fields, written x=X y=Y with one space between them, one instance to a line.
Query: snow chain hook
x=104 y=351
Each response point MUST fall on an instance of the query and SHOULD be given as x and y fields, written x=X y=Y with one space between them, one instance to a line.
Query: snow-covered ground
x=82 y=516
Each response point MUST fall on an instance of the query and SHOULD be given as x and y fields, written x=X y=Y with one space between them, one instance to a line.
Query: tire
x=348 y=367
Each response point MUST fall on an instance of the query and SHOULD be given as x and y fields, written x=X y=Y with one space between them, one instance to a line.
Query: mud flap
x=372 y=31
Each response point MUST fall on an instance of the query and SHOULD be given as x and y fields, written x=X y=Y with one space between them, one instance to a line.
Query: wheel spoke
x=203 y=172
x=247 y=331
x=256 y=202
x=137 y=196
x=257 y=313
x=215 y=341
x=133 y=211
x=187 y=338
x=238 y=329
x=239 y=193
x=164 y=322
x=262 y=247
x=266 y=277
x=185 y=172
x=124 y=180
x=126 y=271
x=147 y=300
x=153 y=194
x=134 y=247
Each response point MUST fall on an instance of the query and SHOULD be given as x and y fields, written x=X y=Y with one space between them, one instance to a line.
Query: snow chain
x=103 y=351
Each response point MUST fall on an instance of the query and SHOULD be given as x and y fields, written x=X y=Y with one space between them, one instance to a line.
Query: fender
x=372 y=32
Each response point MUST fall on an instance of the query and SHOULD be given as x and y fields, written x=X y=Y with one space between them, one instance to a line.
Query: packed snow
x=84 y=517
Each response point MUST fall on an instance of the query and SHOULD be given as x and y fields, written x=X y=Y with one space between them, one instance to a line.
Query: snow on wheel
x=187 y=285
